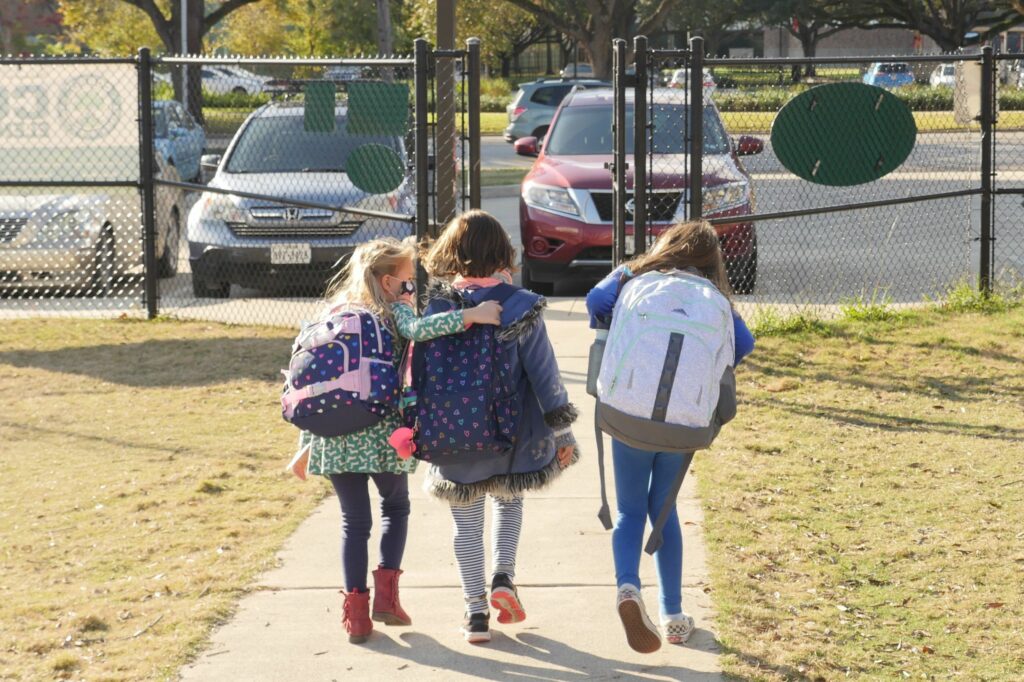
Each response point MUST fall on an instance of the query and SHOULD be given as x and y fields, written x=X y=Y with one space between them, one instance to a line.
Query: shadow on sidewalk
x=547 y=660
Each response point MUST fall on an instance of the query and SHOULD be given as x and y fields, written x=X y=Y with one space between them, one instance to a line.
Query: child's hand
x=565 y=456
x=488 y=312
x=300 y=463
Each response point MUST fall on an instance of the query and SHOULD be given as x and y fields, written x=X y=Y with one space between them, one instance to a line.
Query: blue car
x=178 y=137
x=889 y=74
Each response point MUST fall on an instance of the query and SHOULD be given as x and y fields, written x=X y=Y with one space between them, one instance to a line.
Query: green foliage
x=107 y=27
x=877 y=308
x=768 y=321
x=965 y=297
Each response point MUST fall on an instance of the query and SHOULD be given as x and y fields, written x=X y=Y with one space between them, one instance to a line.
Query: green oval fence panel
x=375 y=168
x=843 y=134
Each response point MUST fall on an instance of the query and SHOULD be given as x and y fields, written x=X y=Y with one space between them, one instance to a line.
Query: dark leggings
x=354 y=496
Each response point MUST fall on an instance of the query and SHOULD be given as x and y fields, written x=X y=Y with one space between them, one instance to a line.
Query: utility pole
x=445 y=171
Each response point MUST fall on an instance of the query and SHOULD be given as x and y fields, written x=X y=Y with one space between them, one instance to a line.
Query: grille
x=10 y=228
x=271 y=229
x=662 y=206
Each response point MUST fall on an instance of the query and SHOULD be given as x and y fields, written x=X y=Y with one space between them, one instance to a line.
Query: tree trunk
x=598 y=48
x=384 y=40
x=809 y=45
x=506 y=67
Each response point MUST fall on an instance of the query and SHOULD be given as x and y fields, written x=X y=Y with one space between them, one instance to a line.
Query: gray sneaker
x=641 y=633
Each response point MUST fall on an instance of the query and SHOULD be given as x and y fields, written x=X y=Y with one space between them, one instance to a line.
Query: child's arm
x=410 y=326
x=541 y=367
x=744 y=339
x=601 y=299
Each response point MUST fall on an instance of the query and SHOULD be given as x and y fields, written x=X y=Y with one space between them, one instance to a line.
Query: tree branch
x=226 y=8
x=162 y=24
x=551 y=18
x=657 y=18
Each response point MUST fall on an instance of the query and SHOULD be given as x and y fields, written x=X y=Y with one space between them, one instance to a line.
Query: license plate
x=290 y=254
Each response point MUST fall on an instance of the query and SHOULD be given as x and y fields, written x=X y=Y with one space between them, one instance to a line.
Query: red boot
x=357 y=616
x=386 y=607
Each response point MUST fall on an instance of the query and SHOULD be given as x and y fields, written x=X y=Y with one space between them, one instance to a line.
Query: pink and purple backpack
x=342 y=377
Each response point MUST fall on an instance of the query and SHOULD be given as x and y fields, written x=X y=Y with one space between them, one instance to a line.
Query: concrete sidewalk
x=289 y=629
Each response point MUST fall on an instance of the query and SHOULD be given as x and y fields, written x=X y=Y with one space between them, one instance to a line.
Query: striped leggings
x=469 y=545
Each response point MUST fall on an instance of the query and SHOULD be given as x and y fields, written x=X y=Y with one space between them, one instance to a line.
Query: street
x=903 y=252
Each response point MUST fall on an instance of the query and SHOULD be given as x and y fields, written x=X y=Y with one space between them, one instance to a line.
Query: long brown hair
x=473 y=244
x=693 y=244
x=358 y=283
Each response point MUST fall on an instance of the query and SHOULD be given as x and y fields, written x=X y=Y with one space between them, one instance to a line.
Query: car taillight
x=517 y=112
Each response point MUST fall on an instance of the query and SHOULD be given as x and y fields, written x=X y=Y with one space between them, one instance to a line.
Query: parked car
x=269 y=245
x=343 y=74
x=580 y=70
x=178 y=137
x=681 y=79
x=238 y=72
x=86 y=243
x=535 y=104
x=221 y=82
x=889 y=74
x=565 y=207
x=944 y=75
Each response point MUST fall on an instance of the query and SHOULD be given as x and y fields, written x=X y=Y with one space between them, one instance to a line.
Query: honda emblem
x=291 y=213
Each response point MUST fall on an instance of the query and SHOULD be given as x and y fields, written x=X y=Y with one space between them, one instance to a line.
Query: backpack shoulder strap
x=604 y=513
x=501 y=293
x=655 y=540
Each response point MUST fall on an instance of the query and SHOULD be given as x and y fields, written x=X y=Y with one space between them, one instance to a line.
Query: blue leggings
x=354 y=496
x=643 y=480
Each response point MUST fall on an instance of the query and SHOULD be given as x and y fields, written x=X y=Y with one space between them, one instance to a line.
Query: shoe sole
x=389 y=618
x=678 y=639
x=510 y=610
x=357 y=639
x=476 y=637
x=640 y=637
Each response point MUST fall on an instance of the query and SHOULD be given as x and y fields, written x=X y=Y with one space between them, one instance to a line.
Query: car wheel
x=168 y=264
x=542 y=288
x=101 y=278
x=202 y=289
x=743 y=273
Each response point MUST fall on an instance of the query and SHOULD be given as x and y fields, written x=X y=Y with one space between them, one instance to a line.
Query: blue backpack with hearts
x=466 y=400
x=341 y=377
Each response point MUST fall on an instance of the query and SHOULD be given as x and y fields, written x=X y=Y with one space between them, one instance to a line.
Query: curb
x=499 y=192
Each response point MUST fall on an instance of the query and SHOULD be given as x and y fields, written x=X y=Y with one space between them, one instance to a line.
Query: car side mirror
x=526 y=146
x=748 y=145
x=208 y=164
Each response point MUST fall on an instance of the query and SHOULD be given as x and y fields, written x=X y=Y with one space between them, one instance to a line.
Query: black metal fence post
x=640 y=146
x=473 y=86
x=696 y=131
x=988 y=75
x=619 y=165
x=146 y=170
x=421 y=152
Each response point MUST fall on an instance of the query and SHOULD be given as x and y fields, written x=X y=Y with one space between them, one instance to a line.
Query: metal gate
x=909 y=236
x=221 y=188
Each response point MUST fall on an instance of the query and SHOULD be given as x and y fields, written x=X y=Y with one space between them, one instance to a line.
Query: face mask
x=408 y=287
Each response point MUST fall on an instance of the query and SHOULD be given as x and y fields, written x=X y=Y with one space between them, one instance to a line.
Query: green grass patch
x=874 y=308
x=863 y=511
x=143 y=489
x=490 y=177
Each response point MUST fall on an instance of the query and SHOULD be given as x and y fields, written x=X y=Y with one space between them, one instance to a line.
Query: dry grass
x=142 y=490
x=863 y=512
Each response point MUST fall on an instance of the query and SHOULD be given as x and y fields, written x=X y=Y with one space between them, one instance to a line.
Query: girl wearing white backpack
x=647 y=480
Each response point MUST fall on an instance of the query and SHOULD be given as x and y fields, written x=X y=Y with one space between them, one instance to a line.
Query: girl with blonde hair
x=379 y=278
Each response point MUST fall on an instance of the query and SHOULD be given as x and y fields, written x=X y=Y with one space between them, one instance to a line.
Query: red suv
x=565 y=208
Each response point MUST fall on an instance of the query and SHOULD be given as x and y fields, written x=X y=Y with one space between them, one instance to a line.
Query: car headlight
x=220 y=207
x=554 y=199
x=723 y=197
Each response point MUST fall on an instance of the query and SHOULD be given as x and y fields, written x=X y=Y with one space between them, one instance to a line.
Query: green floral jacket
x=367 y=451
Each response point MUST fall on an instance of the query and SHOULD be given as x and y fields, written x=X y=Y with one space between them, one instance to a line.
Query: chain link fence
x=827 y=218
x=1008 y=163
x=257 y=177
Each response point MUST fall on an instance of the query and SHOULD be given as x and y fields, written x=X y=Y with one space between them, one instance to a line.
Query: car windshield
x=948 y=70
x=281 y=144
x=583 y=131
